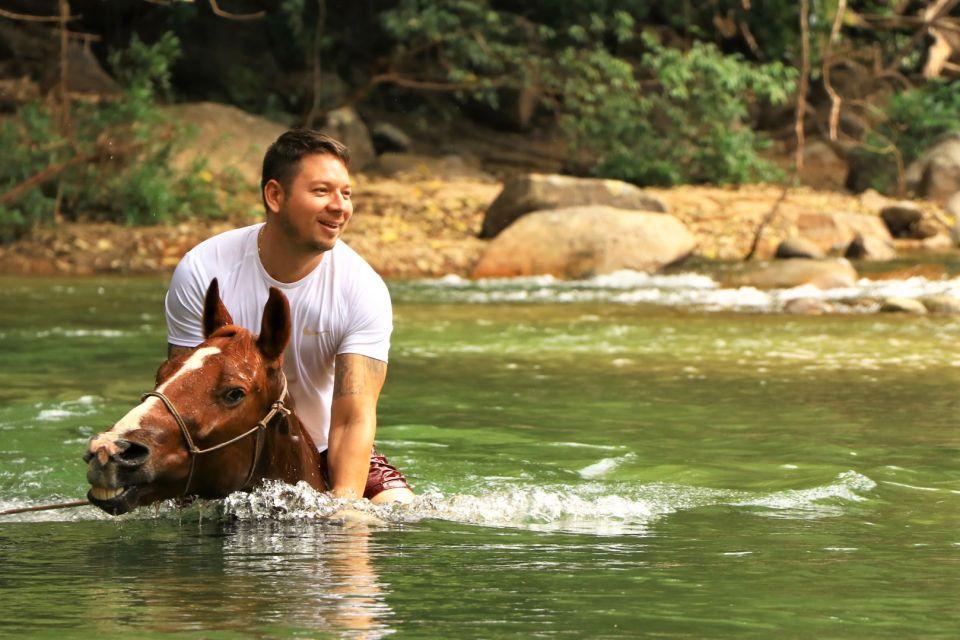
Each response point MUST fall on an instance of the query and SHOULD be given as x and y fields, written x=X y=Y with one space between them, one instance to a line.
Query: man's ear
x=273 y=195
x=215 y=315
x=275 y=326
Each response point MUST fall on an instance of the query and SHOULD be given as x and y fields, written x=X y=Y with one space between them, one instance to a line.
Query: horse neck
x=290 y=455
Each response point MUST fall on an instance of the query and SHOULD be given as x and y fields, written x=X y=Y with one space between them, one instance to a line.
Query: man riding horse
x=341 y=316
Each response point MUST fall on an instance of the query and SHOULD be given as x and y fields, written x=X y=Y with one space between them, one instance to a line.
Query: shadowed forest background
x=836 y=95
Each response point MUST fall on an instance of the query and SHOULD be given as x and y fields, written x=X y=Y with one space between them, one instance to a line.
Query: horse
x=219 y=420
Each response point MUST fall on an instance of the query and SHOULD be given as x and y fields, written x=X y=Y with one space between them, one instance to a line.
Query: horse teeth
x=104 y=493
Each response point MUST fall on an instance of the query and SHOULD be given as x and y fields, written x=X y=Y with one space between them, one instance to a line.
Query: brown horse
x=216 y=423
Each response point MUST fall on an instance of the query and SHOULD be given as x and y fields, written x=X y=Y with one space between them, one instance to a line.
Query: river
x=617 y=458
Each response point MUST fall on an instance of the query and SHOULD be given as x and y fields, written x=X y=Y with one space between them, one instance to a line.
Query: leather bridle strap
x=260 y=429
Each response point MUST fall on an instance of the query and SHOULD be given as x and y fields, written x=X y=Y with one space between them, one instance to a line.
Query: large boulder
x=345 y=125
x=935 y=175
x=580 y=242
x=787 y=274
x=834 y=232
x=228 y=139
x=538 y=192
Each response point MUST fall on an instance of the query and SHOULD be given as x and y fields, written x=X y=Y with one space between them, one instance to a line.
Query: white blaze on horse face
x=131 y=421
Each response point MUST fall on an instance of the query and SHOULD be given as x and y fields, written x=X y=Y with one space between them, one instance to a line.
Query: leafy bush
x=687 y=123
x=118 y=154
x=911 y=122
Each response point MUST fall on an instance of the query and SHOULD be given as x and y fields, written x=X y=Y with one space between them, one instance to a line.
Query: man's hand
x=353 y=422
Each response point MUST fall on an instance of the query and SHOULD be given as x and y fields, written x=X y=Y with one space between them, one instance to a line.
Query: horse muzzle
x=115 y=470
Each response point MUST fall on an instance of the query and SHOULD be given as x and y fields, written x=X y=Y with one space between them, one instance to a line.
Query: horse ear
x=275 y=326
x=215 y=315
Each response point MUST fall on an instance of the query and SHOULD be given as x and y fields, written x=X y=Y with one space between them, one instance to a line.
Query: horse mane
x=226 y=331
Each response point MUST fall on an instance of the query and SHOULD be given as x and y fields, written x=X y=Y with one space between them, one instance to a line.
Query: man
x=340 y=309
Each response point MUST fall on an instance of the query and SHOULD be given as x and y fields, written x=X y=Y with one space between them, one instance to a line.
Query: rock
x=227 y=138
x=798 y=248
x=833 y=232
x=580 y=242
x=902 y=305
x=941 y=304
x=537 y=192
x=85 y=77
x=873 y=200
x=808 y=306
x=388 y=138
x=953 y=206
x=902 y=219
x=786 y=274
x=869 y=248
x=345 y=125
x=823 y=167
x=935 y=175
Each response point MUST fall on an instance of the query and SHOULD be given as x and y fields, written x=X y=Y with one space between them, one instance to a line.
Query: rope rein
x=260 y=429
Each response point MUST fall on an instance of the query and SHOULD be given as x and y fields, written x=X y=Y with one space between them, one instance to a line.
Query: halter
x=260 y=429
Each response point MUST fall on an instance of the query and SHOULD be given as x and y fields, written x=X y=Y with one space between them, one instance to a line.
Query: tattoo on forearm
x=357 y=375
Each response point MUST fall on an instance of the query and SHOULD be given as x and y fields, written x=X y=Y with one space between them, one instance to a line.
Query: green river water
x=590 y=466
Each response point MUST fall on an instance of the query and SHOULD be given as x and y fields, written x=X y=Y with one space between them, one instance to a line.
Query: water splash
x=594 y=508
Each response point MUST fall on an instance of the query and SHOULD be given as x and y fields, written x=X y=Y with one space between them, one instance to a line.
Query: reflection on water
x=155 y=577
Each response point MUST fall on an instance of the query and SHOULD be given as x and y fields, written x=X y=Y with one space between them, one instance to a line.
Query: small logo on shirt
x=307 y=331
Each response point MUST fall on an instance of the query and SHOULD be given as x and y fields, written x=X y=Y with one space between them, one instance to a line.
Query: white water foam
x=683 y=289
x=595 y=508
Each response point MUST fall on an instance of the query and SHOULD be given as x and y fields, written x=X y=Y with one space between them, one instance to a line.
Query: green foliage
x=122 y=150
x=915 y=118
x=912 y=121
x=687 y=124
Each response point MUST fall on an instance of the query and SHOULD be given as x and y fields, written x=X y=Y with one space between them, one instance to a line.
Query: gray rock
x=935 y=175
x=941 y=304
x=902 y=305
x=798 y=248
x=833 y=232
x=786 y=274
x=346 y=126
x=539 y=192
x=580 y=242
x=389 y=138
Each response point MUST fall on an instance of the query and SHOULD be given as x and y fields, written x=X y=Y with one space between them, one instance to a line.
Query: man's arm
x=353 y=422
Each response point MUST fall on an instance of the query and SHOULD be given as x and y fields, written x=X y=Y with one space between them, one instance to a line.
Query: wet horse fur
x=222 y=388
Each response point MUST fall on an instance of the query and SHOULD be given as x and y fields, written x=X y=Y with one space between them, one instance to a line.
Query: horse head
x=203 y=430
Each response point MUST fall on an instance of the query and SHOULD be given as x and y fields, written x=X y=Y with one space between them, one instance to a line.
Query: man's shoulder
x=352 y=265
x=226 y=241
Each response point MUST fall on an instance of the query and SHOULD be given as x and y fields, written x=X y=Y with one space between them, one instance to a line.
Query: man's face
x=316 y=206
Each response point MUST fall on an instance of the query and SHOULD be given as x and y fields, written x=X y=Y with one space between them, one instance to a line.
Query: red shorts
x=382 y=476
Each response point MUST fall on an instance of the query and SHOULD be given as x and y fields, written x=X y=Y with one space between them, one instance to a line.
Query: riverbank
x=419 y=226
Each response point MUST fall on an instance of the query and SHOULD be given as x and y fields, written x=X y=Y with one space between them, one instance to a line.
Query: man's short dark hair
x=283 y=157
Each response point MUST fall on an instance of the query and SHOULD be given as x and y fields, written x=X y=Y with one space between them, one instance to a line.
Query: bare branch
x=235 y=16
x=803 y=82
x=835 y=100
x=30 y=18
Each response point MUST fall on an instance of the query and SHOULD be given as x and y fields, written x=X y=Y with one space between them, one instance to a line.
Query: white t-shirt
x=342 y=306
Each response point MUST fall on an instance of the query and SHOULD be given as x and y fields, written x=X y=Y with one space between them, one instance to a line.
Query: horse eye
x=234 y=395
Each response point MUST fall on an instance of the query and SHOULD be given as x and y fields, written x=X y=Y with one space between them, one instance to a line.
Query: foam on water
x=683 y=289
x=594 y=508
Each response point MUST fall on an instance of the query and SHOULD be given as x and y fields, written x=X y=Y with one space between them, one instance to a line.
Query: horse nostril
x=131 y=454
